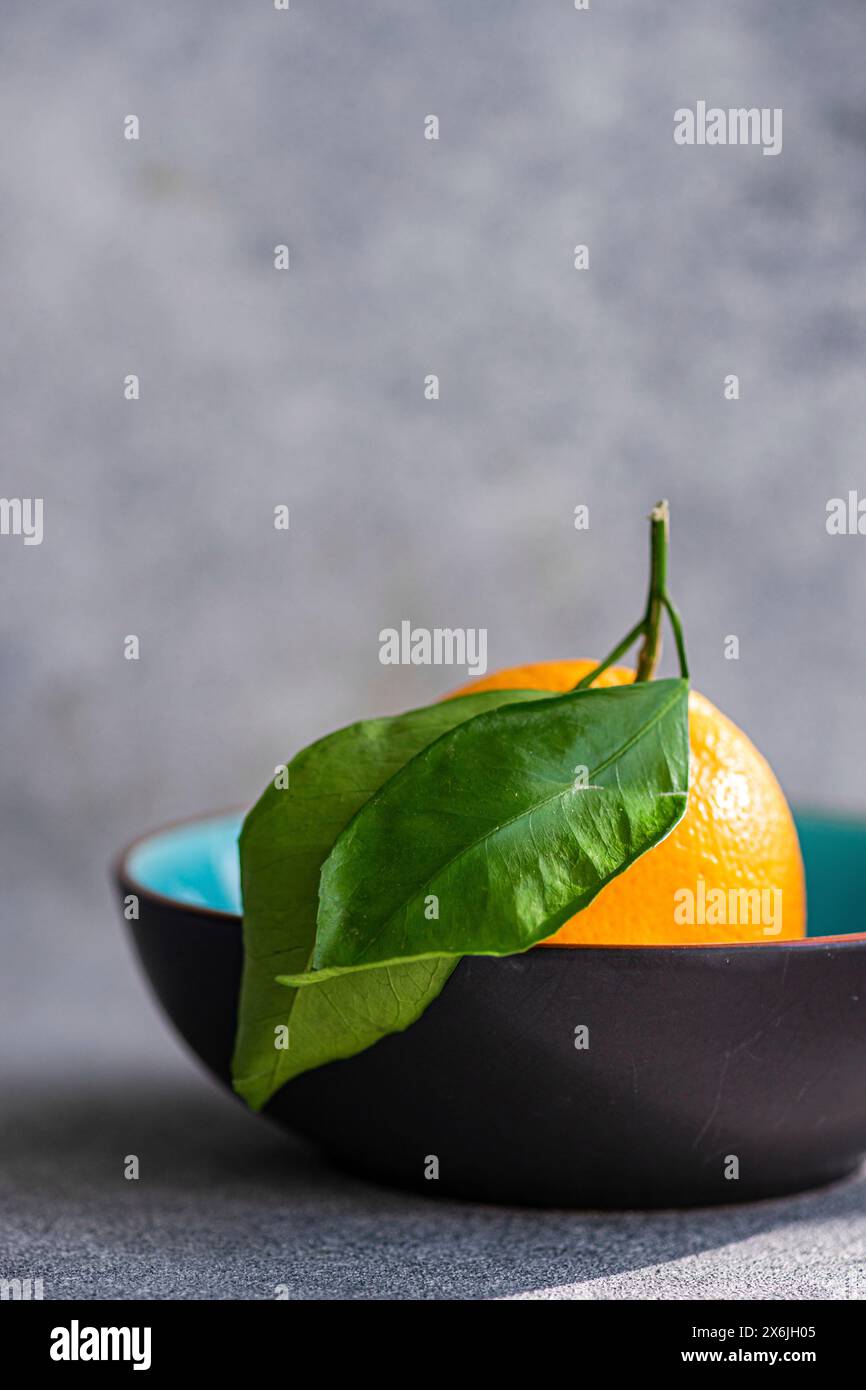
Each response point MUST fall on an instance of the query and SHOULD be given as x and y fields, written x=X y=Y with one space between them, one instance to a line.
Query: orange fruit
x=729 y=871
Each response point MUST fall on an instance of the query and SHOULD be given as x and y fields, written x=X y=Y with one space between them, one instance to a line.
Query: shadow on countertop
x=227 y=1207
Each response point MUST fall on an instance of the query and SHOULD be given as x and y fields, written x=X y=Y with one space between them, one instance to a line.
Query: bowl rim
x=123 y=876
x=122 y=873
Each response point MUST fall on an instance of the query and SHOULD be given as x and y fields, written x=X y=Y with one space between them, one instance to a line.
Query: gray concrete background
x=306 y=388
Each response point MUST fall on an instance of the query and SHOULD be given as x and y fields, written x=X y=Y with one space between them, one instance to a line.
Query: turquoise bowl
x=714 y=1073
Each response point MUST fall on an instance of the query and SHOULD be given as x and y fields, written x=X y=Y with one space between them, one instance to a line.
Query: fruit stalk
x=658 y=602
x=651 y=647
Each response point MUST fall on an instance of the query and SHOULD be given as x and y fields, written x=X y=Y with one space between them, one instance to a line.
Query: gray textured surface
x=227 y=1208
x=557 y=388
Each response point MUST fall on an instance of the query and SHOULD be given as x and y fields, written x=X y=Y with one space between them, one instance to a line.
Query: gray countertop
x=226 y=1207
x=601 y=388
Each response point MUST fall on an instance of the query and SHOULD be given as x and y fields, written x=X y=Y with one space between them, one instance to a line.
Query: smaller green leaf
x=284 y=842
x=503 y=828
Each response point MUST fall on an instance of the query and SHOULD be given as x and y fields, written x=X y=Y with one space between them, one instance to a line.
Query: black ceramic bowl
x=702 y=1062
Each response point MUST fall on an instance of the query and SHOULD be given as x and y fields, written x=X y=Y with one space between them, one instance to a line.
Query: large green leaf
x=284 y=842
x=494 y=828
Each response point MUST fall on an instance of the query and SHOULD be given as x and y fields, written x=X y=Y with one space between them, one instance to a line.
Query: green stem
x=612 y=656
x=658 y=603
x=651 y=650
x=677 y=625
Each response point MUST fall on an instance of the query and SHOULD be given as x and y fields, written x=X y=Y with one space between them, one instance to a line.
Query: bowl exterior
x=590 y=1076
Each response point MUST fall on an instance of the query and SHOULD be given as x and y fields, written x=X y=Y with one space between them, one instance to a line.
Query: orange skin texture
x=737 y=833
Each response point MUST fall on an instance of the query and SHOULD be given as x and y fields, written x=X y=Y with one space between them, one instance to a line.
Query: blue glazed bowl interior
x=197 y=864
